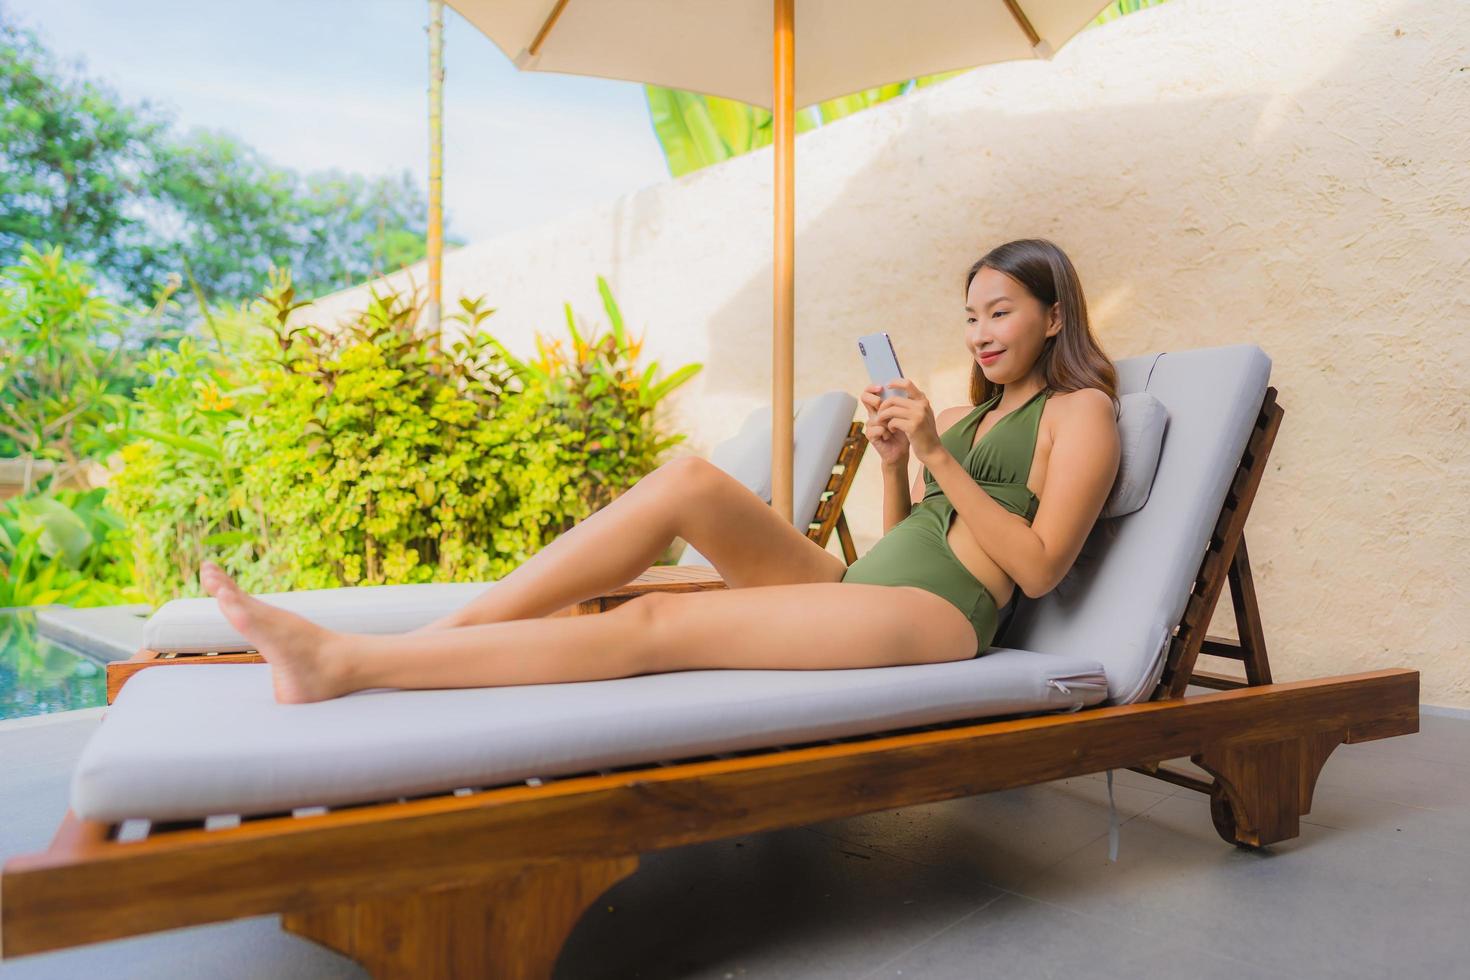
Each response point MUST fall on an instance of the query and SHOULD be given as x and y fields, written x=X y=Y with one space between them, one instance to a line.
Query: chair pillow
x=1142 y=419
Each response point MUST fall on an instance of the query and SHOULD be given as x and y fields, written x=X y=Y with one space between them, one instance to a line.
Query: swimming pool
x=39 y=676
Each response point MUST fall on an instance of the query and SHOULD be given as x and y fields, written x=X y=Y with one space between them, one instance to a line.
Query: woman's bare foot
x=305 y=666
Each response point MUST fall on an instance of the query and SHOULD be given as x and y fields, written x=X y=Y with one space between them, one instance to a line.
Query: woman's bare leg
x=804 y=626
x=747 y=542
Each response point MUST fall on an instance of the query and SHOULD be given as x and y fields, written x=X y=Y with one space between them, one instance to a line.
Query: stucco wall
x=1219 y=171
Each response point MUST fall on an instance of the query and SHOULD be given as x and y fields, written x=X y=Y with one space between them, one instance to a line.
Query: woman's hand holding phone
x=911 y=417
x=902 y=421
x=892 y=444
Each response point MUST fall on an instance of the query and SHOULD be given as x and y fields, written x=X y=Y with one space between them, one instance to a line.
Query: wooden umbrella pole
x=784 y=112
x=434 y=246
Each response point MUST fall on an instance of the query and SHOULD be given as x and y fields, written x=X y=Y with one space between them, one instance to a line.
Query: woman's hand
x=891 y=444
x=913 y=417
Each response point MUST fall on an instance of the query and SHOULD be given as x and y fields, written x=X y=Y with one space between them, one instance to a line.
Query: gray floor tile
x=1004 y=838
x=1439 y=739
x=1329 y=903
x=35 y=770
x=1410 y=780
x=1442 y=828
x=1020 y=938
x=247 y=949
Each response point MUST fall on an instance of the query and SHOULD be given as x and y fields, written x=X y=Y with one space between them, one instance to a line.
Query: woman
x=930 y=590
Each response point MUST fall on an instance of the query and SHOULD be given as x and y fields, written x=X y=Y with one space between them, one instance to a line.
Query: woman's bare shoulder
x=1085 y=411
x=1085 y=402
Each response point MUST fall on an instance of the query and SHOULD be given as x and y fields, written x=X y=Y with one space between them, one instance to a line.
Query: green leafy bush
x=181 y=488
x=598 y=391
x=64 y=547
x=65 y=362
x=371 y=454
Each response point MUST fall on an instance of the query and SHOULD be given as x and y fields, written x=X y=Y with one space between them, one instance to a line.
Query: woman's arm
x=896 y=500
x=1080 y=473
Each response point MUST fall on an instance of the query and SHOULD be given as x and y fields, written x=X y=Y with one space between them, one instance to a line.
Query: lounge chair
x=828 y=447
x=463 y=832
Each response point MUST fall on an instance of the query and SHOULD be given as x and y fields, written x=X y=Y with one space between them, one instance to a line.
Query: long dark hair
x=1072 y=358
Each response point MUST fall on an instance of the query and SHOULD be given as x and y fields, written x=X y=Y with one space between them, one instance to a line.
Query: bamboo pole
x=784 y=118
x=435 y=237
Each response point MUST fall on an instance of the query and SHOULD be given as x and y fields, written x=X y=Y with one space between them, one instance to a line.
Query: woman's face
x=1001 y=316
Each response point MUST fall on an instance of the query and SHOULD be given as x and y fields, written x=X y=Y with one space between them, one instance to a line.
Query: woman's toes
x=303 y=667
x=212 y=577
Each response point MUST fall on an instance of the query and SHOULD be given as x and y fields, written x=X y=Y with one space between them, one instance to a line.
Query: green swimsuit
x=916 y=550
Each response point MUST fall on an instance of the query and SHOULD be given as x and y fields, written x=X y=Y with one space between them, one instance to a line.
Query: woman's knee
x=642 y=619
x=695 y=472
x=679 y=478
x=684 y=483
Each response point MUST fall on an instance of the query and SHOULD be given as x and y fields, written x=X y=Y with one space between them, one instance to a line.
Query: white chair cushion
x=1142 y=419
x=1128 y=588
x=197 y=626
x=184 y=742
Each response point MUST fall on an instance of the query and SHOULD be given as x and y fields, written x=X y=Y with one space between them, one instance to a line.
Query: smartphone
x=882 y=361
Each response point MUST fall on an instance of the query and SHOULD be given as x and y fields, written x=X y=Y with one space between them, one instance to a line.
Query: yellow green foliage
x=370 y=454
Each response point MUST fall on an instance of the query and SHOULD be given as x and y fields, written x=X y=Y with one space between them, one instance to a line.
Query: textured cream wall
x=1219 y=171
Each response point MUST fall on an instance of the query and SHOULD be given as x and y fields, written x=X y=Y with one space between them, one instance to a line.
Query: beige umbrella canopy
x=748 y=50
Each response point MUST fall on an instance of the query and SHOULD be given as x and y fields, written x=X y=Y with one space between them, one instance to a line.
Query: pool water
x=38 y=676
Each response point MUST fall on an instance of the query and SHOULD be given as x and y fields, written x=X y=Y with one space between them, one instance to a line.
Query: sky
x=315 y=84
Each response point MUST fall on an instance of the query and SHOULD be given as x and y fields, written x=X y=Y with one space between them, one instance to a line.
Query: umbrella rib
x=546 y=27
x=1021 y=19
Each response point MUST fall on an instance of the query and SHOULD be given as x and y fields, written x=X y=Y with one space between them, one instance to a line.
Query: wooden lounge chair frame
x=489 y=881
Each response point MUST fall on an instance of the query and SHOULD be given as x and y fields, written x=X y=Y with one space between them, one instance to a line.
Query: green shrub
x=66 y=361
x=181 y=488
x=598 y=391
x=63 y=547
x=371 y=454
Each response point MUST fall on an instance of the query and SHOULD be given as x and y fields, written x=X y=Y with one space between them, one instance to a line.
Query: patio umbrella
x=747 y=50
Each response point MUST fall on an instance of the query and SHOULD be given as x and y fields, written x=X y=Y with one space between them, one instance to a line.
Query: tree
x=225 y=215
x=65 y=364
x=115 y=187
x=71 y=159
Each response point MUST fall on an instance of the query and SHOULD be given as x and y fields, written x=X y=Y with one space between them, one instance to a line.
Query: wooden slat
x=1219 y=682
x=844 y=473
x=1171 y=775
x=1222 y=646
x=1248 y=616
x=844 y=537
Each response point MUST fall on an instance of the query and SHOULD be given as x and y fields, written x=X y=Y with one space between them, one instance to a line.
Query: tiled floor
x=1014 y=884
